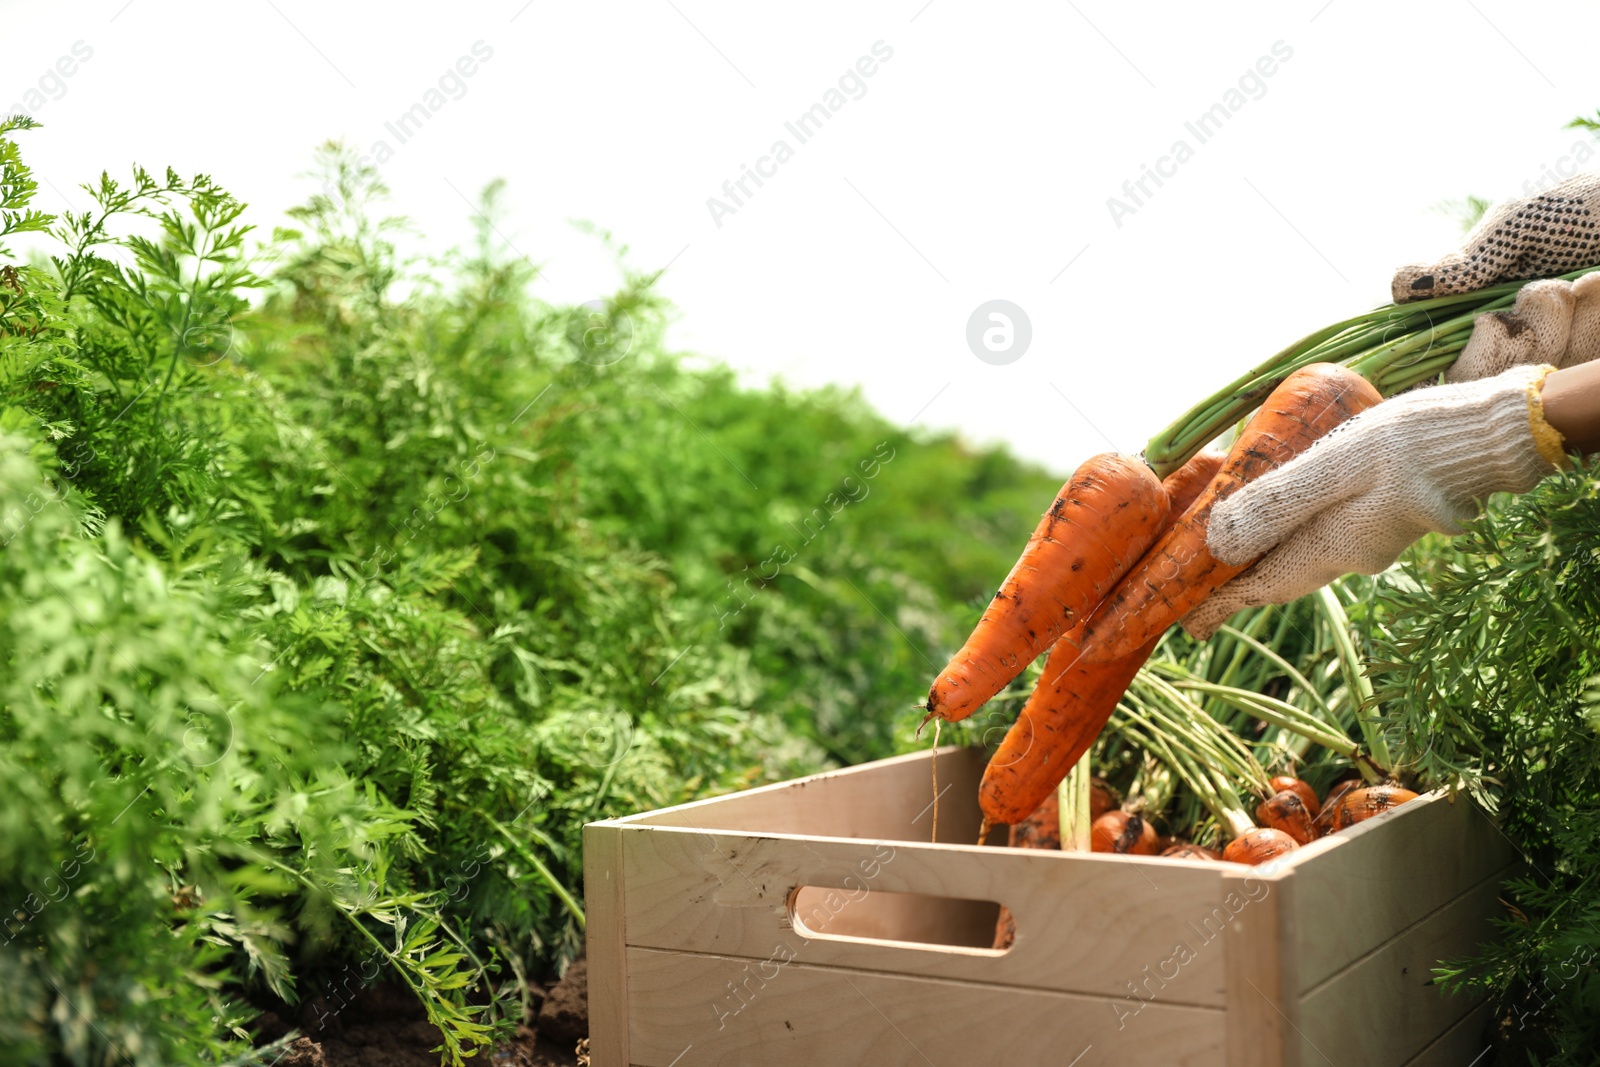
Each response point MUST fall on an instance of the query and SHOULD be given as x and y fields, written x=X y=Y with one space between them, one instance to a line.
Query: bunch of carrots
x=1118 y=558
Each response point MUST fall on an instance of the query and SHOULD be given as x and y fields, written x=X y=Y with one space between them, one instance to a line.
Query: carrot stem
x=1356 y=680
x=1073 y=795
x=1382 y=345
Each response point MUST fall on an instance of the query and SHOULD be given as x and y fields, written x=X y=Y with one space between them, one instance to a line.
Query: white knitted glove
x=1357 y=498
x=1552 y=233
x=1554 y=322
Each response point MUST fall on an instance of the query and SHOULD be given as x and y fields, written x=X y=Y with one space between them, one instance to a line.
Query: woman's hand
x=1418 y=462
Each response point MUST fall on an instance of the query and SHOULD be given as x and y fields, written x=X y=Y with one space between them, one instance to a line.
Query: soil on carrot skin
x=384 y=1026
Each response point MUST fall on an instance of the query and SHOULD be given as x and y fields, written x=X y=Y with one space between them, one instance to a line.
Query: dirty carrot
x=1286 y=811
x=1359 y=805
x=1124 y=834
x=1307 y=795
x=1072 y=701
x=1042 y=827
x=1183 y=850
x=1330 y=803
x=1101 y=522
x=1258 y=846
x=1179 y=571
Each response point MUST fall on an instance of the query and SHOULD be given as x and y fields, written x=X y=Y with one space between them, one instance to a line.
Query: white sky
x=976 y=166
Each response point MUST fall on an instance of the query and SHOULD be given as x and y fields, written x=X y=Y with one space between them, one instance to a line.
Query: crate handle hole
x=907 y=920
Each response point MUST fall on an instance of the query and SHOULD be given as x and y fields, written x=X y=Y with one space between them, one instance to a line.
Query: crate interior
x=890 y=800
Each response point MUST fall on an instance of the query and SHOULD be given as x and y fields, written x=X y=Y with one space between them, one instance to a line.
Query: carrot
x=1179 y=571
x=1258 y=846
x=1330 y=802
x=1041 y=829
x=1102 y=521
x=1073 y=700
x=1307 y=795
x=1359 y=805
x=1287 y=812
x=1119 y=832
x=1005 y=929
x=1183 y=850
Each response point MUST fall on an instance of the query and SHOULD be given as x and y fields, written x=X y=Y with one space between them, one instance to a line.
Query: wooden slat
x=889 y=799
x=1463 y=1045
x=1089 y=924
x=1364 y=885
x=1383 y=1008
x=1261 y=987
x=710 y=1011
x=605 y=931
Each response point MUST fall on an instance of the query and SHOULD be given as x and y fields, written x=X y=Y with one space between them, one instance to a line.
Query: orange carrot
x=1073 y=700
x=1183 y=850
x=1119 y=832
x=1330 y=803
x=1005 y=929
x=1258 y=846
x=1359 y=805
x=1287 y=812
x=1104 y=518
x=1041 y=829
x=1307 y=795
x=1179 y=571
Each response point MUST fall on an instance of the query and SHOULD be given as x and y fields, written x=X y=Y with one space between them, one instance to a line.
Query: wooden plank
x=1383 y=1008
x=1094 y=924
x=1463 y=1045
x=1260 y=972
x=889 y=799
x=604 y=929
x=1364 y=885
x=712 y=1011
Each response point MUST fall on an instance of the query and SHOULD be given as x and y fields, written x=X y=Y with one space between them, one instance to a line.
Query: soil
x=382 y=1025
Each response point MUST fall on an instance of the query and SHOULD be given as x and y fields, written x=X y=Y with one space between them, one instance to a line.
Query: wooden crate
x=811 y=923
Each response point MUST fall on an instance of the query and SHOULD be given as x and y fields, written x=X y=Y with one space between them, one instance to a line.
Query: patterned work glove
x=1418 y=462
x=1551 y=233
x=1554 y=322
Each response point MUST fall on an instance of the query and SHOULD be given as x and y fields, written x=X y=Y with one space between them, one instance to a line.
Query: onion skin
x=1287 y=811
x=1183 y=850
x=1307 y=795
x=1123 y=834
x=1359 y=805
x=1258 y=846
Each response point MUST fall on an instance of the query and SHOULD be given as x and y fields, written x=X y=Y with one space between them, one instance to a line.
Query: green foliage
x=1489 y=674
x=330 y=618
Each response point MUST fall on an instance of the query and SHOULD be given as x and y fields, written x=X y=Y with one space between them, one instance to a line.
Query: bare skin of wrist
x=1571 y=400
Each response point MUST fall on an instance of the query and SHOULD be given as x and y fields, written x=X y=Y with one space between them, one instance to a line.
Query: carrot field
x=339 y=589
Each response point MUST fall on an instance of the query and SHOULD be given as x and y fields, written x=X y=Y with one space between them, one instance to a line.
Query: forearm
x=1572 y=406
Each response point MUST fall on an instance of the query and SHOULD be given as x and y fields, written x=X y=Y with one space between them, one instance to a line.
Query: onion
x=1117 y=831
x=1258 y=846
x=1359 y=805
x=1183 y=850
x=1287 y=811
x=1307 y=795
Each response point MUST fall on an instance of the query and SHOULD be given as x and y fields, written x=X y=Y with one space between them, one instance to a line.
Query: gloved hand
x=1552 y=233
x=1354 y=501
x=1555 y=322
